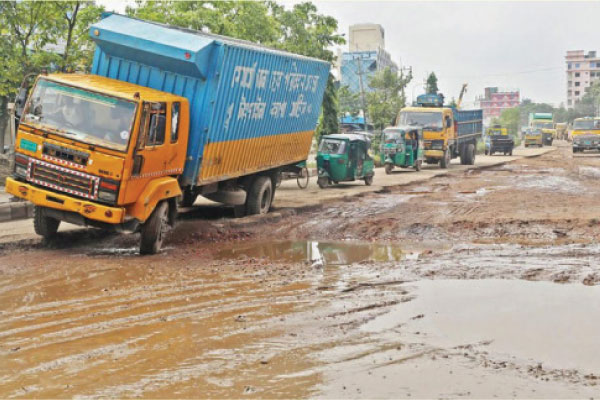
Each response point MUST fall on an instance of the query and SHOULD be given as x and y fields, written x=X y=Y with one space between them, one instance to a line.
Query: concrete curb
x=15 y=210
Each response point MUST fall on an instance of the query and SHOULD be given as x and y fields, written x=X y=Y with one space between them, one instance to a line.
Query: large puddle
x=553 y=324
x=319 y=253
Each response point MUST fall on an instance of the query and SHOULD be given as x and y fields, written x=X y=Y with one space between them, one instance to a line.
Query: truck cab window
x=175 y=121
x=156 y=133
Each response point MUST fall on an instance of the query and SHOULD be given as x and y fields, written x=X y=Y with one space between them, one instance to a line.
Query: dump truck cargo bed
x=252 y=108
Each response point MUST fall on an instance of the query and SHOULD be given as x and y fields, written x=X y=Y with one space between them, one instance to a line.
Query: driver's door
x=149 y=157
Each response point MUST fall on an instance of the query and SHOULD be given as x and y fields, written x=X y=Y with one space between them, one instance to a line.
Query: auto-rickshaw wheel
x=322 y=182
x=388 y=168
x=418 y=165
x=368 y=180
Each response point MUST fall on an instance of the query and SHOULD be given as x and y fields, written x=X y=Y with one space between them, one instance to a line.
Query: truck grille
x=63 y=179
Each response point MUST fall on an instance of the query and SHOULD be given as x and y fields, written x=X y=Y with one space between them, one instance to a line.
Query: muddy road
x=475 y=284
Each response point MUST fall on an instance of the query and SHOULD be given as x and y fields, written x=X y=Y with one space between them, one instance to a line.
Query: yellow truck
x=586 y=134
x=544 y=122
x=167 y=114
x=448 y=132
x=561 y=131
x=534 y=137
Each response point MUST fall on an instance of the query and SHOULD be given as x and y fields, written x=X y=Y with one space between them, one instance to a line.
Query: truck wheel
x=368 y=180
x=259 y=196
x=388 y=168
x=470 y=156
x=510 y=152
x=155 y=229
x=43 y=225
x=445 y=161
x=463 y=156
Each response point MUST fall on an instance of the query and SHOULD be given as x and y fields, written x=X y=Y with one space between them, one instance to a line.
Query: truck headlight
x=20 y=171
x=107 y=196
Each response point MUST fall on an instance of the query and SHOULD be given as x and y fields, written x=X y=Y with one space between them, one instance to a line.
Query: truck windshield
x=393 y=136
x=543 y=125
x=80 y=114
x=430 y=121
x=586 y=124
x=332 y=146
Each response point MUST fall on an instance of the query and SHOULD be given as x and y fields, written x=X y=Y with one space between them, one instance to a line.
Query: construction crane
x=462 y=92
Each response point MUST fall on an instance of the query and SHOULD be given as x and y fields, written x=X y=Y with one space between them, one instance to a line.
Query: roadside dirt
x=479 y=284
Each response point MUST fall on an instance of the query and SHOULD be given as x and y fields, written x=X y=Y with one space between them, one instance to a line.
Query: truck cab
x=586 y=134
x=99 y=152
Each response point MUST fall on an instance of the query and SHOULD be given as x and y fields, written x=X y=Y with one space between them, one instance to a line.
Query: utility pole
x=362 y=88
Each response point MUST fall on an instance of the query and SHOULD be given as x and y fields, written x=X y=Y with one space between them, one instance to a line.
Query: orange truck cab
x=166 y=115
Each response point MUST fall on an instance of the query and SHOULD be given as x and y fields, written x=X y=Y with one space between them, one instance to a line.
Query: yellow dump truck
x=586 y=134
x=447 y=131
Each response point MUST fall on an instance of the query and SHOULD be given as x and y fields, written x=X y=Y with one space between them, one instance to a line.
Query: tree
x=431 y=86
x=328 y=121
x=511 y=120
x=387 y=97
x=76 y=17
x=348 y=102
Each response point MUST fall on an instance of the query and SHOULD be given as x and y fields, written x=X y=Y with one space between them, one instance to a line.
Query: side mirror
x=448 y=123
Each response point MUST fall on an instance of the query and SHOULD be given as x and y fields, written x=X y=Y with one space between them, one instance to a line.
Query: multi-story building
x=582 y=70
x=496 y=100
x=366 y=37
x=366 y=56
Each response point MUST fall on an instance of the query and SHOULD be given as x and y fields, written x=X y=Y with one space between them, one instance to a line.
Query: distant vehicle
x=586 y=134
x=561 y=131
x=344 y=158
x=167 y=113
x=497 y=140
x=534 y=137
x=448 y=132
x=545 y=122
x=402 y=146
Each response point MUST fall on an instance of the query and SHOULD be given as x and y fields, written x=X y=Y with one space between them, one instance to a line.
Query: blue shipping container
x=252 y=108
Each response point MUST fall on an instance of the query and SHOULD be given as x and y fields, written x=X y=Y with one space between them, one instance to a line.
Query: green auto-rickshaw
x=343 y=158
x=402 y=146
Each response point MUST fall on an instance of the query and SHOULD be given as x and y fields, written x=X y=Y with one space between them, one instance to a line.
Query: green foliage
x=348 y=102
x=387 y=97
x=431 y=86
x=29 y=26
x=511 y=120
x=328 y=121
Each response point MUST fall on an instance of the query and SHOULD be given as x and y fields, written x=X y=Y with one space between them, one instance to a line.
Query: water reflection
x=317 y=253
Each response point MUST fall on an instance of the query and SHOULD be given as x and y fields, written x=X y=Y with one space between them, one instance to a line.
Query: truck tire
x=445 y=161
x=470 y=154
x=43 y=225
x=369 y=180
x=463 y=155
x=388 y=168
x=155 y=229
x=259 y=196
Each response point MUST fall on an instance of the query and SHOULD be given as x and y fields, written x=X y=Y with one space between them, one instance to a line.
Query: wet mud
x=476 y=284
